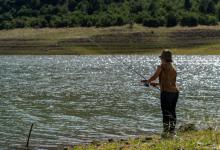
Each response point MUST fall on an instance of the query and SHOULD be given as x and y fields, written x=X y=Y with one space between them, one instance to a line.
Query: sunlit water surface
x=74 y=99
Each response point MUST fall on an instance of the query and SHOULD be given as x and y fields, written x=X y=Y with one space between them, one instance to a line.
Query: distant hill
x=103 y=13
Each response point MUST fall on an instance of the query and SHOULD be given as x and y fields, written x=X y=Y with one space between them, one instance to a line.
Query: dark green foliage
x=153 y=22
x=187 y=5
x=203 y=6
x=212 y=20
x=207 y=6
x=7 y=25
x=189 y=19
x=56 y=21
x=104 y=13
x=211 y=7
x=72 y=5
x=135 y=7
x=171 y=20
x=19 y=23
x=153 y=7
x=218 y=10
x=208 y=20
x=104 y=20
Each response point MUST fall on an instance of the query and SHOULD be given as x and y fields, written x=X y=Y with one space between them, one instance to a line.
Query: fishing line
x=129 y=67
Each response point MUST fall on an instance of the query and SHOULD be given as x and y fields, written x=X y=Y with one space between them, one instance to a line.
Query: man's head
x=166 y=55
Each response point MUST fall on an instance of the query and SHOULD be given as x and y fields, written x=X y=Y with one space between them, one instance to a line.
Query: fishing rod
x=129 y=67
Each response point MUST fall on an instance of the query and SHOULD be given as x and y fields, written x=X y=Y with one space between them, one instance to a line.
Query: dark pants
x=168 y=106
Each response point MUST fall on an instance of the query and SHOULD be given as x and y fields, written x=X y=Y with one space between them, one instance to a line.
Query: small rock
x=187 y=127
x=179 y=148
x=127 y=143
x=110 y=140
x=121 y=148
x=210 y=128
x=122 y=140
x=146 y=139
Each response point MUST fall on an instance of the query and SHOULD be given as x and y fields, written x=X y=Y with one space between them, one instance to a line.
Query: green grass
x=201 y=40
x=206 y=139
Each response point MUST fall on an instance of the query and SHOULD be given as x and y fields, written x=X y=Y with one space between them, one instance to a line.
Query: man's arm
x=154 y=77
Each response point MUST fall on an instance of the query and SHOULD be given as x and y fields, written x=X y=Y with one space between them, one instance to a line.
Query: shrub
x=171 y=20
x=153 y=22
x=19 y=23
x=55 y=21
x=208 y=20
x=189 y=19
x=120 y=20
x=7 y=25
x=105 y=21
x=139 y=18
x=212 y=20
x=202 y=20
x=86 y=21
x=39 y=23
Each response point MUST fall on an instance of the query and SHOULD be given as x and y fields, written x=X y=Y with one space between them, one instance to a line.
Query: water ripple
x=73 y=99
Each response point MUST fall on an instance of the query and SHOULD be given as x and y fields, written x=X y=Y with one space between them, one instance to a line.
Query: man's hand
x=147 y=82
x=144 y=81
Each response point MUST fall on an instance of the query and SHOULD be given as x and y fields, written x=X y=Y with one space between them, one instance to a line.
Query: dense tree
x=153 y=7
x=203 y=6
x=218 y=10
x=211 y=7
x=187 y=5
x=207 y=6
x=72 y=5
x=35 y=4
x=135 y=7
x=102 y=13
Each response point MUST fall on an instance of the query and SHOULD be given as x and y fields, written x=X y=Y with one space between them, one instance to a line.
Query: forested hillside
x=102 y=13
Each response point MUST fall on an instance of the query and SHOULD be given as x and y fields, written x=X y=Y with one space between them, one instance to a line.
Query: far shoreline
x=123 y=40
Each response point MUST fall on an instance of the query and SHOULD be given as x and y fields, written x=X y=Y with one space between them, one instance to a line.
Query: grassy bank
x=200 y=40
x=206 y=139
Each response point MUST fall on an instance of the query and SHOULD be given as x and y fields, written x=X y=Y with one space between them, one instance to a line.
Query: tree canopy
x=103 y=13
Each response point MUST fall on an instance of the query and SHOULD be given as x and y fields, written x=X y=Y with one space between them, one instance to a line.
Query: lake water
x=74 y=99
